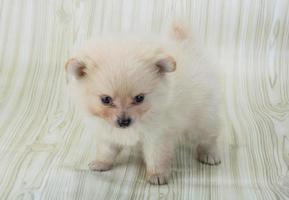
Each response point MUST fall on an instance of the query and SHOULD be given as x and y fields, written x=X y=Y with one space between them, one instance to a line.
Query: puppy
x=147 y=91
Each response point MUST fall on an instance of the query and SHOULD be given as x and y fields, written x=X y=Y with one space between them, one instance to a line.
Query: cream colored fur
x=181 y=97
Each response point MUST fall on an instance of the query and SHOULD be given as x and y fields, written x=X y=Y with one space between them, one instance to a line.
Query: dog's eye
x=106 y=100
x=138 y=99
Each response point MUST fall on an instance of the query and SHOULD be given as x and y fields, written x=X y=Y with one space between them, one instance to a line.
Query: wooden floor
x=43 y=149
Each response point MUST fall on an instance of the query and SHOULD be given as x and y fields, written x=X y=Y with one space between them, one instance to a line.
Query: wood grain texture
x=44 y=150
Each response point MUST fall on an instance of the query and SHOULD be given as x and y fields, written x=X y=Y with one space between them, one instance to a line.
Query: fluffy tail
x=179 y=31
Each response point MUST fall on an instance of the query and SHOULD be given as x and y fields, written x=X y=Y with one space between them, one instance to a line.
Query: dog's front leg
x=106 y=153
x=158 y=152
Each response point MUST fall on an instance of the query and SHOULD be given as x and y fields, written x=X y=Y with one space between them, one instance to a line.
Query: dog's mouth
x=123 y=123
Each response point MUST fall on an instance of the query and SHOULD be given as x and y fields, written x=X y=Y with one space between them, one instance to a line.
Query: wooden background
x=43 y=149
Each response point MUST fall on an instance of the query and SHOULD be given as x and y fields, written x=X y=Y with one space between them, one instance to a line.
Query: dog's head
x=121 y=82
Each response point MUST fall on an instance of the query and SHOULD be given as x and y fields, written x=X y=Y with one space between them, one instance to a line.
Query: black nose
x=124 y=122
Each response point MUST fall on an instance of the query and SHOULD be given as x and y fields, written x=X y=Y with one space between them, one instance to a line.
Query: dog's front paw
x=157 y=179
x=209 y=158
x=99 y=166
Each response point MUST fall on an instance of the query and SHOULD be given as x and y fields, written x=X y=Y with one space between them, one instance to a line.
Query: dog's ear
x=166 y=64
x=78 y=67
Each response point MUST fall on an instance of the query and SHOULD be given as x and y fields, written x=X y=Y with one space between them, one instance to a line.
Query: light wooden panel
x=43 y=149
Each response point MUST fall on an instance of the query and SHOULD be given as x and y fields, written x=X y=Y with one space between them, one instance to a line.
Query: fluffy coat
x=181 y=96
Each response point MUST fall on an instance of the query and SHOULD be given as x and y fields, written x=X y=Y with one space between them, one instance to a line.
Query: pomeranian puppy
x=147 y=92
